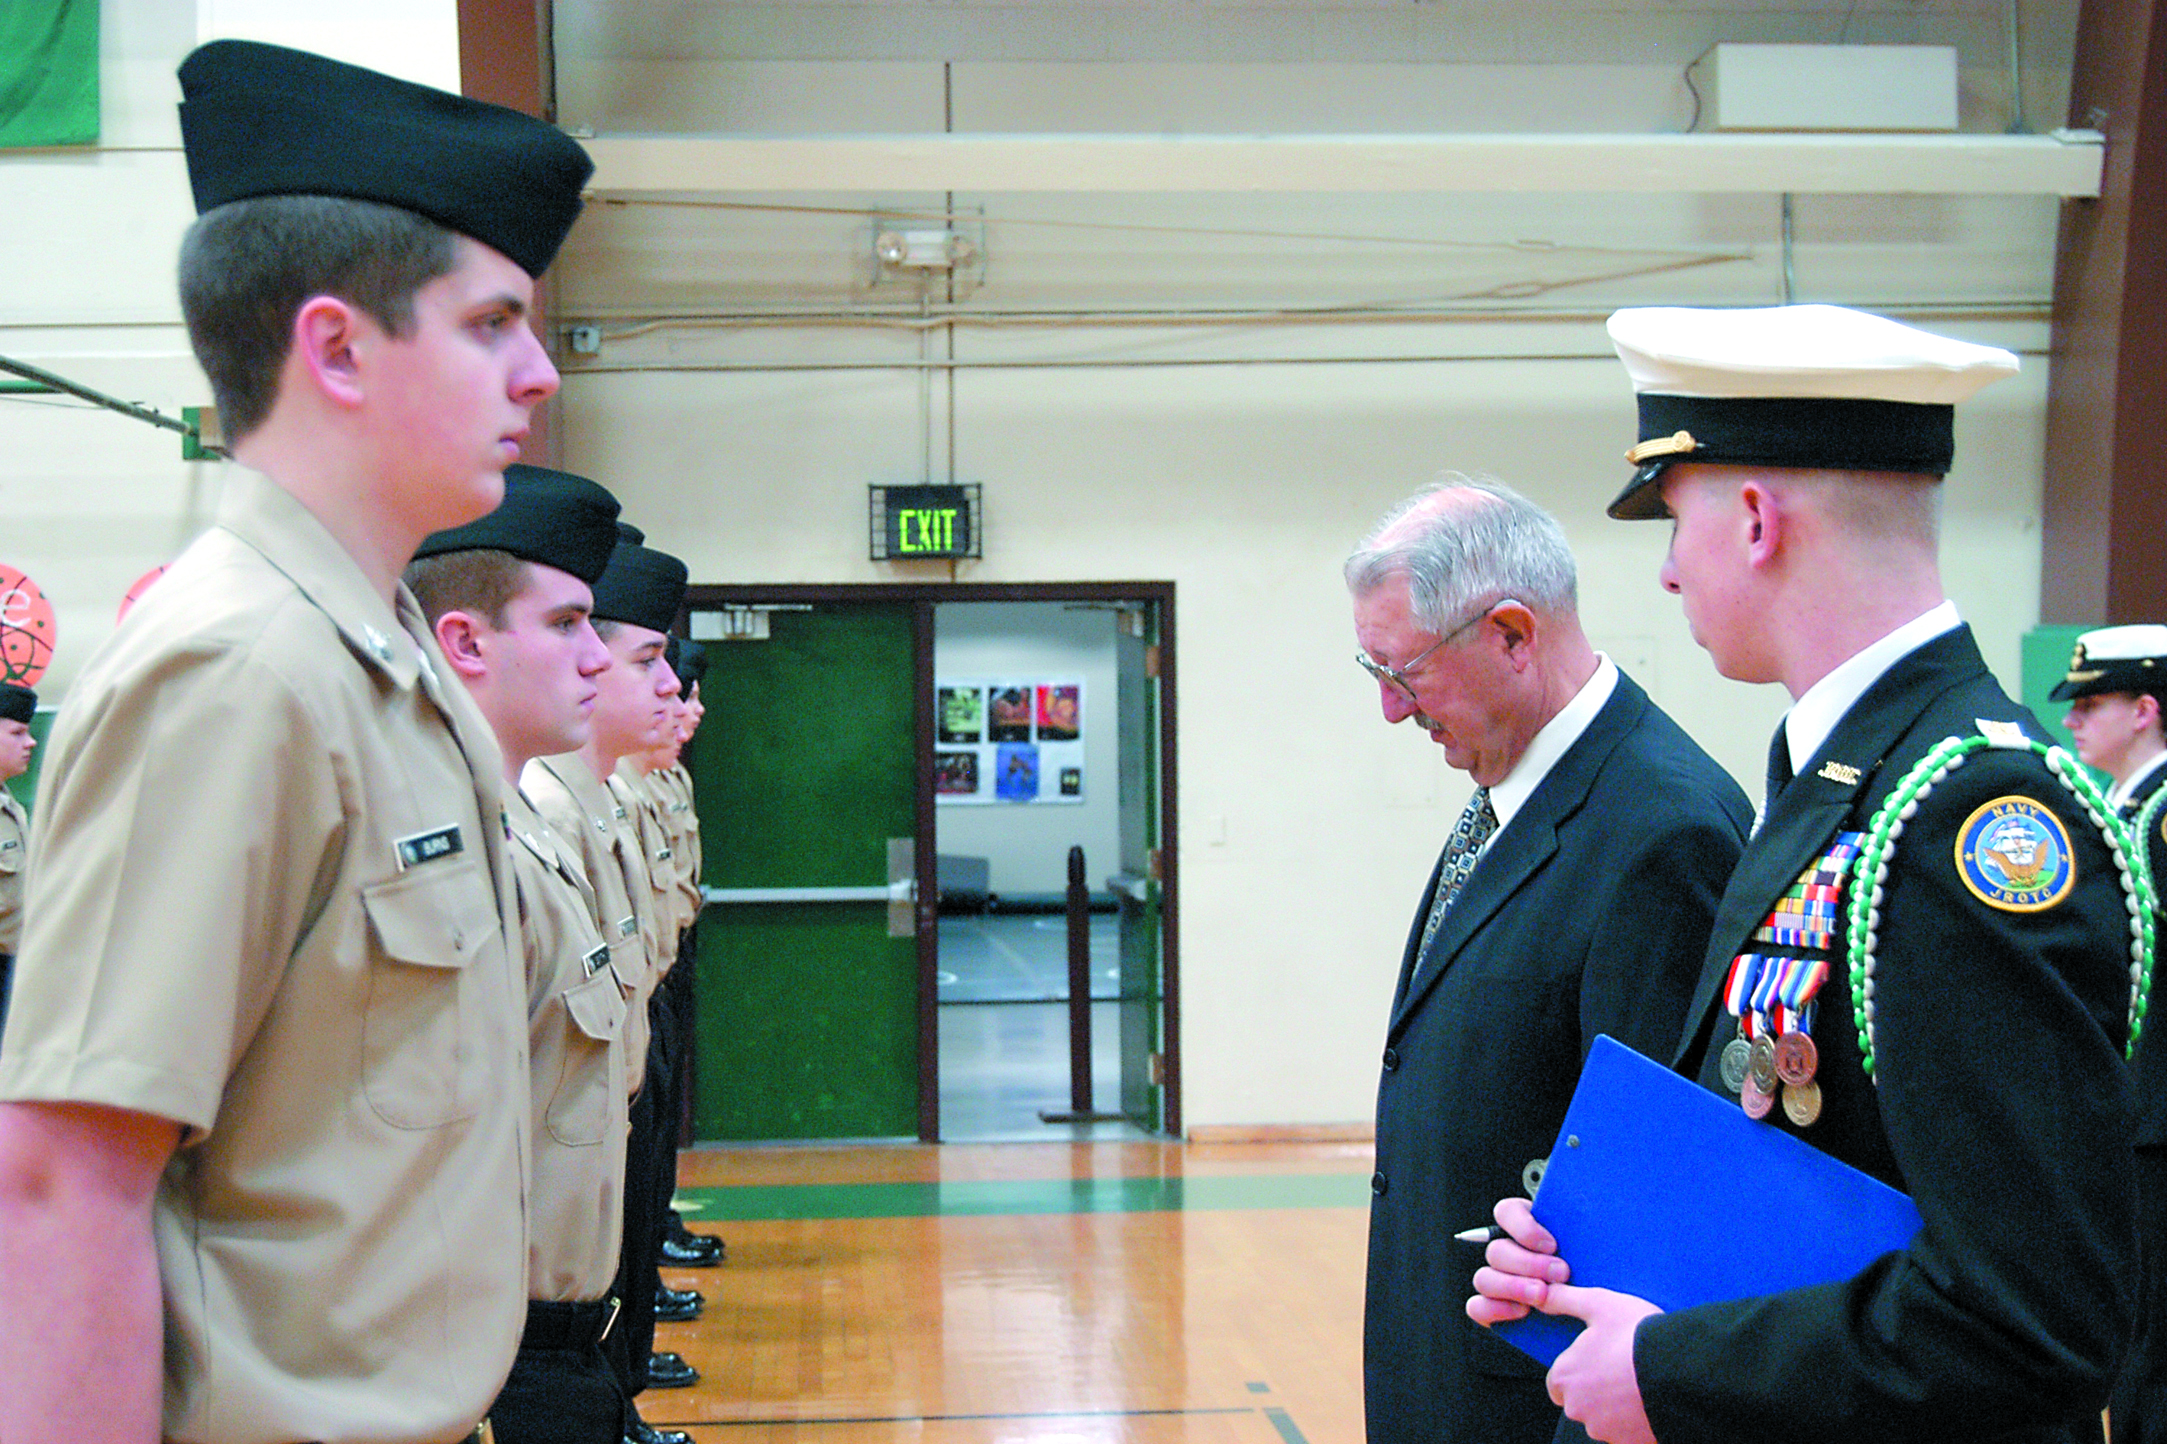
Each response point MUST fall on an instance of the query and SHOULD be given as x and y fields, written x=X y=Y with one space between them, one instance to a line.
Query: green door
x=804 y=771
x=1137 y=886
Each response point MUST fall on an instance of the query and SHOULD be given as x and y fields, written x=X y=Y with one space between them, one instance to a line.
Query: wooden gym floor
x=1089 y=1293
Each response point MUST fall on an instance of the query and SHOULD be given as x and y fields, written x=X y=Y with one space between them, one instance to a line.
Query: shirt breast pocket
x=421 y=1036
x=579 y=1109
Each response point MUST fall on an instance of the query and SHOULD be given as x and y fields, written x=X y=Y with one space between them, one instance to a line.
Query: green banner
x=48 y=73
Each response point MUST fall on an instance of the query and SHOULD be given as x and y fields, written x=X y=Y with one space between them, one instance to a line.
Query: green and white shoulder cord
x=1870 y=873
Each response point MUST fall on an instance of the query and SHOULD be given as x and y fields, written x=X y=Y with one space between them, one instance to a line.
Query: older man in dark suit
x=1574 y=898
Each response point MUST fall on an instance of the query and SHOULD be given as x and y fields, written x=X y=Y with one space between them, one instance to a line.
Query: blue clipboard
x=1659 y=1188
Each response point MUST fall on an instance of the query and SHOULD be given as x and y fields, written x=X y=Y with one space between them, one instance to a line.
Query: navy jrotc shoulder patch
x=2013 y=854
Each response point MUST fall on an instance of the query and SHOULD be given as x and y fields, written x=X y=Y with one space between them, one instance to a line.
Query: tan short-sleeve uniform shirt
x=644 y=817
x=14 y=833
x=576 y=1015
x=679 y=878
x=265 y=904
x=565 y=791
x=637 y=854
x=685 y=822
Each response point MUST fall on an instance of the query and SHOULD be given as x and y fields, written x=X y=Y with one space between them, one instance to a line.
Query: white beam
x=2067 y=163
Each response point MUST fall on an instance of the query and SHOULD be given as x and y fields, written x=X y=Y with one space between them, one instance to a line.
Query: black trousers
x=650 y=1179
x=2137 y=1410
x=7 y=983
x=562 y=1390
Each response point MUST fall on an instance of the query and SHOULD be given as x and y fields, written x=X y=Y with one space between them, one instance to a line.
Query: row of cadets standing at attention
x=656 y=788
x=508 y=599
x=264 y=1123
x=636 y=602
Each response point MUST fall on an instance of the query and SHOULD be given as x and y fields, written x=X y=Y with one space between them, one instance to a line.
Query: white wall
x=92 y=500
x=1333 y=354
x=1026 y=847
x=1225 y=392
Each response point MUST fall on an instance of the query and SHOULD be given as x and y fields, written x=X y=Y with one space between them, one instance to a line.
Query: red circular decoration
x=26 y=629
x=142 y=585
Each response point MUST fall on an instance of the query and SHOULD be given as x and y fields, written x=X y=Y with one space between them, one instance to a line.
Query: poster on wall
x=963 y=715
x=1005 y=741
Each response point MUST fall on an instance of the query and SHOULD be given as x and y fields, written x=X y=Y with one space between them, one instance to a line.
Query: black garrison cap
x=552 y=517
x=263 y=120
x=688 y=659
x=17 y=703
x=641 y=586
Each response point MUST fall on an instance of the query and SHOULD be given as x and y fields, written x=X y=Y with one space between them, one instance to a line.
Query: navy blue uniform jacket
x=2002 y=1108
x=2139 y=1405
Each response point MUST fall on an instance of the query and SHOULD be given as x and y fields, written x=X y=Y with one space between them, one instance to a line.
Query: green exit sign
x=924 y=521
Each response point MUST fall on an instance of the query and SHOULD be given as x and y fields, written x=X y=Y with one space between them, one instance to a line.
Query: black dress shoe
x=703 y=1251
x=675 y=1306
x=643 y=1432
x=667 y=1370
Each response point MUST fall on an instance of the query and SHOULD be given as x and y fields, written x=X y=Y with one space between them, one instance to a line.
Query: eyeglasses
x=1397 y=676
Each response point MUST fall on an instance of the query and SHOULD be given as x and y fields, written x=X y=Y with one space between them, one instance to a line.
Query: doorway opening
x=889 y=780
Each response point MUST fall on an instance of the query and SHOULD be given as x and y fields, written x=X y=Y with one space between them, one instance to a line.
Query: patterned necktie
x=1461 y=849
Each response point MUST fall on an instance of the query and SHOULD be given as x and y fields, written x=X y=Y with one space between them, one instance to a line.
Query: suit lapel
x=1520 y=849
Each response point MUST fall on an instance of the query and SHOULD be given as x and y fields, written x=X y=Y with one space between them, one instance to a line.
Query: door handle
x=1133 y=886
x=900 y=892
x=881 y=894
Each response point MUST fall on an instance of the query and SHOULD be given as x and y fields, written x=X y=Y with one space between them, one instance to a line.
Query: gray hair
x=1464 y=540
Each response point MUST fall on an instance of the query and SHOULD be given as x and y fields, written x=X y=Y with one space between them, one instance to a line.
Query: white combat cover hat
x=1814 y=386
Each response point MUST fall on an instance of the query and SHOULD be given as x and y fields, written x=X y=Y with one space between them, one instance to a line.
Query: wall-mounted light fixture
x=923 y=249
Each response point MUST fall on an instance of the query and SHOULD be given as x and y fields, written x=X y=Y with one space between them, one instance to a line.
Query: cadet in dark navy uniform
x=1965 y=1045
x=2116 y=689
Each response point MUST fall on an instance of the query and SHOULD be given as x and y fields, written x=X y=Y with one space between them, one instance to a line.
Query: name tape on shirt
x=421 y=847
x=597 y=959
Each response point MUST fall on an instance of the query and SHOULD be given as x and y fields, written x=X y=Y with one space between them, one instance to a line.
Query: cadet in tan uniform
x=635 y=601
x=18 y=704
x=262 y=1093
x=672 y=846
x=507 y=598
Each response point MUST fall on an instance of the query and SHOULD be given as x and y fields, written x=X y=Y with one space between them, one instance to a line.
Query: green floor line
x=1027 y=1196
x=801 y=1423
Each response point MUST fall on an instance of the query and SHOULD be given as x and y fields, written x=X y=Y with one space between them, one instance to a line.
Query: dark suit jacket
x=1587 y=915
x=2138 y=1408
x=2001 y=1107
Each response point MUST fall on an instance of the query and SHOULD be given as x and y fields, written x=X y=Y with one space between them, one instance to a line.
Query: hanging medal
x=1737 y=1052
x=1772 y=994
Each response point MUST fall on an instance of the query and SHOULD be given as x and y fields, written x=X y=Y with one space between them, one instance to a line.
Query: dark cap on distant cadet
x=17 y=703
x=2117 y=659
x=1821 y=387
x=688 y=659
x=263 y=120
x=640 y=586
x=552 y=517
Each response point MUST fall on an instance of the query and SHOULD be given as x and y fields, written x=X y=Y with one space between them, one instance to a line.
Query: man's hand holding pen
x=1593 y=1380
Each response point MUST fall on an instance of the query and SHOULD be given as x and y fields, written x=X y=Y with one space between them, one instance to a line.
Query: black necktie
x=1779 y=765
